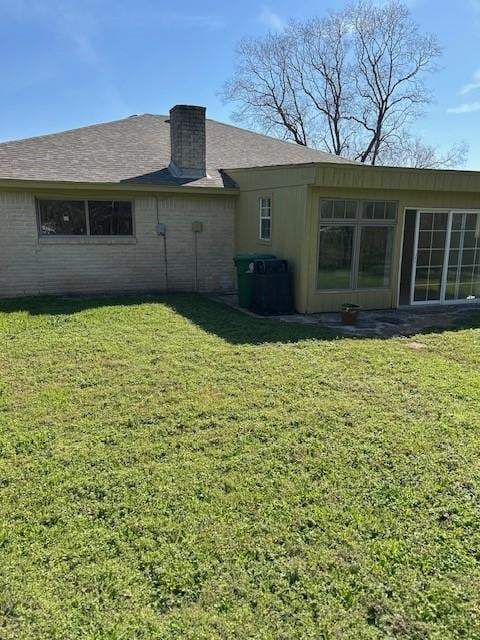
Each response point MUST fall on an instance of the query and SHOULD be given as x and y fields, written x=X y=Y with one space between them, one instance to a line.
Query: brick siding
x=31 y=266
x=187 y=139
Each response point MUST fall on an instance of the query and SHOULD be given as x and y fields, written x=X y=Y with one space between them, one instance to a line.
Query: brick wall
x=30 y=266
x=187 y=139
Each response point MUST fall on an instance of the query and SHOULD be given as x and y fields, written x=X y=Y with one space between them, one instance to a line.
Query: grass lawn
x=171 y=468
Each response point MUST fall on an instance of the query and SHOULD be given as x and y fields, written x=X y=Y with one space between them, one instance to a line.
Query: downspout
x=197 y=227
x=162 y=231
x=195 y=235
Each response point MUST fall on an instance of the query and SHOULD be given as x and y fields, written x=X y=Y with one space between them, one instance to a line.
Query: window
x=339 y=209
x=62 y=217
x=375 y=259
x=265 y=218
x=379 y=210
x=356 y=245
x=335 y=257
x=85 y=217
x=110 y=218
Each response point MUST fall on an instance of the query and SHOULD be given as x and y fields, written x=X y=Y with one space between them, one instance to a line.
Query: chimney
x=187 y=141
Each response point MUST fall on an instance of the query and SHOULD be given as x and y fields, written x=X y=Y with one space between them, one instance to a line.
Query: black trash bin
x=245 y=275
x=272 y=292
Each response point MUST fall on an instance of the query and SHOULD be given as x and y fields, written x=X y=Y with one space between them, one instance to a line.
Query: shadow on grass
x=239 y=328
x=218 y=319
x=212 y=317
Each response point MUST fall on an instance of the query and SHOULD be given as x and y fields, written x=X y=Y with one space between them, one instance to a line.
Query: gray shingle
x=137 y=150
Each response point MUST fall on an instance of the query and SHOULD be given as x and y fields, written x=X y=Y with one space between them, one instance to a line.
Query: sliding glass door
x=447 y=257
x=432 y=233
x=463 y=276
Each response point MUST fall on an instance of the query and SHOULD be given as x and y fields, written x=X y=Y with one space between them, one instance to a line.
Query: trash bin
x=244 y=264
x=272 y=292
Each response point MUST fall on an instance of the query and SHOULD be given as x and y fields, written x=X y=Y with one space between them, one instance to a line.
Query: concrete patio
x=406 y=321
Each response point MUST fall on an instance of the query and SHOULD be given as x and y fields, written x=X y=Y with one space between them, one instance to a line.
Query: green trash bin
x=245 y=275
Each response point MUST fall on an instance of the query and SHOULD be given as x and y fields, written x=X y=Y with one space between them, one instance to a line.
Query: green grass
x=173 y=469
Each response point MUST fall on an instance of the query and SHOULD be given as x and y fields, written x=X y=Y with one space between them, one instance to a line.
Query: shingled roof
x=137 y=150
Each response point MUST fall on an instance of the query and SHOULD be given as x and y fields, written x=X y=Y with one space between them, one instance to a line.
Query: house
x=157 y=203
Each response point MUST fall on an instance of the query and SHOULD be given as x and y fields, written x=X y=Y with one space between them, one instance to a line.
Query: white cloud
x=471 y=86
x=271 y=19
x=466 y=107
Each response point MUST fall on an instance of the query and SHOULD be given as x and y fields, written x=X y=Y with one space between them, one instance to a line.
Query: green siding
x=288 y=218
x=318 y=301
x=296 y=192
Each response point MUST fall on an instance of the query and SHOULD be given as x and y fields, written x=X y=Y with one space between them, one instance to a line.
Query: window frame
x=82 y=238
x=361 y=227
x=261 y=217
x=338 y=225
x=358 y=222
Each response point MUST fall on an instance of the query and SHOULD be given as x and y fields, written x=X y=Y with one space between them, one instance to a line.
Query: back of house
x=163 y=203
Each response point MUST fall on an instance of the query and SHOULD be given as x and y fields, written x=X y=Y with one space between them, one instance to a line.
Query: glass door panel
x=432 y=241
x=463 y=275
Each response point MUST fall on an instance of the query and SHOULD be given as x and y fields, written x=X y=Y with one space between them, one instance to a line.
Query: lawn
x=171 y=468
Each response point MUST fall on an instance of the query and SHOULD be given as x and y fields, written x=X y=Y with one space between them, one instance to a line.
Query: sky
x=70 y=63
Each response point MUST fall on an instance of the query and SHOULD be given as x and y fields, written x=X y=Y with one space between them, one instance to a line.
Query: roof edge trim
x=12 y=183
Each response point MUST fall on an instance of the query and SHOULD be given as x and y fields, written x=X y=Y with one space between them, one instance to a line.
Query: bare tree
x=323 y=75
x=391 y=60
x=294 y=84
x=352 y=83
x=410 y=151
x=265 y=89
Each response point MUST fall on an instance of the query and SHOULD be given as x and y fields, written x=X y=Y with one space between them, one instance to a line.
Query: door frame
x=443 y=284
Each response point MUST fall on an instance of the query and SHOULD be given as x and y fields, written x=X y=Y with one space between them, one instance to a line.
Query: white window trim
x=263 y=217
x=85 y=237
x=442 y=301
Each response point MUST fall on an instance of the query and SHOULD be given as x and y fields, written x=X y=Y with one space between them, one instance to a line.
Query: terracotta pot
x=350 y=313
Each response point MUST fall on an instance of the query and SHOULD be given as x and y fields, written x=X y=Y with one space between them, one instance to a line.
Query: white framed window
x=355 y=246
x=57 y=217
x=265 y=226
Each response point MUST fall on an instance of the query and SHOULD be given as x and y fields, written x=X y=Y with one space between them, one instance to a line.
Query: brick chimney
x=187 y=141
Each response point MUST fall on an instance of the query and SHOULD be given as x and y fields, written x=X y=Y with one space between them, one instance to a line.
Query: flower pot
x=350 y=313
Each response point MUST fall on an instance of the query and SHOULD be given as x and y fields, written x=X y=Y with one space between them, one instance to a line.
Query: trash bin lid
x=241 y=258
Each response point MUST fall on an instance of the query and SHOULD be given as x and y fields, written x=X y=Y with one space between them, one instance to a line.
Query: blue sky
x=68 y=63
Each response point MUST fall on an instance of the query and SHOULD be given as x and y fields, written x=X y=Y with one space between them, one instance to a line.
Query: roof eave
x=358 y=175
x=293 y=165
x=356 y=165
x=38 y=185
